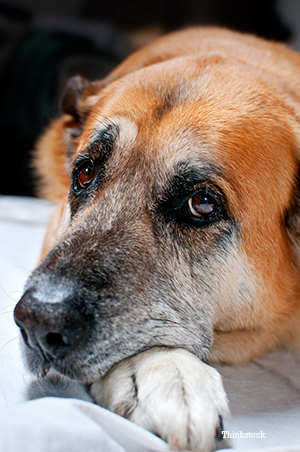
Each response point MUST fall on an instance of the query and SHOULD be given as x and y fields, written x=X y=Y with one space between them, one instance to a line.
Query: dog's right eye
x=85 y=174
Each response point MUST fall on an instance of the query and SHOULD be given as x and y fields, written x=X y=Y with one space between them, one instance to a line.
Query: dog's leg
x=171 y=393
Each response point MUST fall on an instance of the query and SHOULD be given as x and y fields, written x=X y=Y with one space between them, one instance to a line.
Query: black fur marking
x=220 y=429
x=186 y=181
x=98 y=152
x=135 y=388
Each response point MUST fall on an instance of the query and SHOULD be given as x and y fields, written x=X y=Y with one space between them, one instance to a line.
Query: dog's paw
x=171 y=393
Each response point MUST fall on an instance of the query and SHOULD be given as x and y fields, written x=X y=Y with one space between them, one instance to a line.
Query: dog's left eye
x=202 y=205
x=85 y=174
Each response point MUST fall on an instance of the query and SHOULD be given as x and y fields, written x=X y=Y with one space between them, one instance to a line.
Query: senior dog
x=175 y=243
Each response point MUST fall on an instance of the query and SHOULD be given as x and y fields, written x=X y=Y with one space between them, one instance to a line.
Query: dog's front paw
x=171 y=393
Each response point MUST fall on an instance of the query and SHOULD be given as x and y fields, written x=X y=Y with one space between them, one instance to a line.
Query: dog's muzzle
x=81 y=320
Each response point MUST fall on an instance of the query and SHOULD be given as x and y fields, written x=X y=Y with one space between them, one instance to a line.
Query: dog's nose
x=50 y=328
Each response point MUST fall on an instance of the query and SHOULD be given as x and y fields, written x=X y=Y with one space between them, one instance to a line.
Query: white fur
x=169 y=392
x=128 y=131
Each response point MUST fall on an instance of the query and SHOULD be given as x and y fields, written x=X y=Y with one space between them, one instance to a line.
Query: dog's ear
x=55 y=148
x=79 y=97
x=78 y=100
x=72 y=95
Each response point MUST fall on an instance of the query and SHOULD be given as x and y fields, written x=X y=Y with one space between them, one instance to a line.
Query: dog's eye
x=85 y=174
x=202 y=205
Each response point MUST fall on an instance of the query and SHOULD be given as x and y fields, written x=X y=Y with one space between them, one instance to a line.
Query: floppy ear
x=79 y=97
x=56 y=146
x=71 y=96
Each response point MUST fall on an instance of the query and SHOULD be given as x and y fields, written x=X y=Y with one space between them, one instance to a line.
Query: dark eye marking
x=205 y=205
x=89 y=168
x=93 y=161
x=193 y=197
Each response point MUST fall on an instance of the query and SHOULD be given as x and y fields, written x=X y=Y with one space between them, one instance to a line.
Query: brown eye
x=202 y=205
x=85 y=174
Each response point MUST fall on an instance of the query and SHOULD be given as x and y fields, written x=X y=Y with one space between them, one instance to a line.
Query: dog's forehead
x=211 y=112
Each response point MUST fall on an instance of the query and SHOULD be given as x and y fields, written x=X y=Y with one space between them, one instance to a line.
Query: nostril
x=55 y=340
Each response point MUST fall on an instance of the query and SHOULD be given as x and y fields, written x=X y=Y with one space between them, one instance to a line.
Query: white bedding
x=264 y=396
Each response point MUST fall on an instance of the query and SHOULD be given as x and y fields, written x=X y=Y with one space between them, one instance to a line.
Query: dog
x=175 y=242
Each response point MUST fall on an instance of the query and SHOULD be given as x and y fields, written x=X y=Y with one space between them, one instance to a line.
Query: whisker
x=3 y=312
x=8 y=342
x=66 y=138
x=19 y=267
x=9 y=295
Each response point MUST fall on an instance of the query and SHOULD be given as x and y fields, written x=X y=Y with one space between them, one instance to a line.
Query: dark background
x=44 y=42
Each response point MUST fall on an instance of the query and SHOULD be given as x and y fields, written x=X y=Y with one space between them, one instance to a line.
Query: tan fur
x=134 y=292
x=260 y=188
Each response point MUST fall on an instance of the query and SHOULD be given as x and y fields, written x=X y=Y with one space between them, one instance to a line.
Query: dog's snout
x=49 y=328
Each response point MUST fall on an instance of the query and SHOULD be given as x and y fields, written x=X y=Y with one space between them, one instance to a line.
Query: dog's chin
x=81 y=373
x=84 y=373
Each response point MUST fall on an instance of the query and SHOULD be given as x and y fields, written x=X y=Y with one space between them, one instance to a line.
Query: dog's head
x=178 y=220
